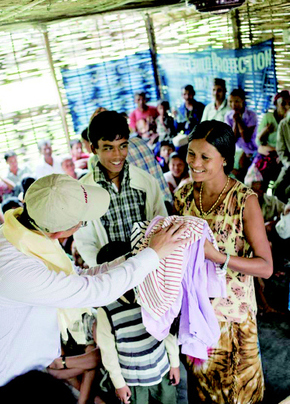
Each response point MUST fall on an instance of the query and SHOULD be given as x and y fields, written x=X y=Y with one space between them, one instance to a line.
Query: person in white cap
x=37 y=277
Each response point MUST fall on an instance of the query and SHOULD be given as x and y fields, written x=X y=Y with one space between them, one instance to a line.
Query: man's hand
x=174 y=376
x=124 y=394
x=166 y=240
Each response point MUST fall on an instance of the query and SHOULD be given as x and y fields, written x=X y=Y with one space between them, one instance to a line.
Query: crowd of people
x=69 y=238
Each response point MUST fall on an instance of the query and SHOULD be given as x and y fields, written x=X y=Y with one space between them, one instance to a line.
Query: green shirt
x=267 y=119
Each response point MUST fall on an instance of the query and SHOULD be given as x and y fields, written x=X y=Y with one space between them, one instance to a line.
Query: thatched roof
x=43 y=11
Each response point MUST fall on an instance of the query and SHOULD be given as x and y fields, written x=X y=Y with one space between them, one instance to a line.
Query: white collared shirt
x=210 y=112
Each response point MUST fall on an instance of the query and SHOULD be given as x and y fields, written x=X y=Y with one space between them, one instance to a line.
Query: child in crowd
x=178 y=172
x=143 y=111
x=140 y=367
x=166 y=147
x=164 y=122
x=146 y=130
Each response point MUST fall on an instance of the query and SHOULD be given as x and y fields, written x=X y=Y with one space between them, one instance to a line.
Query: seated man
x=143 y=111
x=188 y=114
x=69 y=168
x=134 y=194
x=49 y=164
x=15 y=174
x=219 y=107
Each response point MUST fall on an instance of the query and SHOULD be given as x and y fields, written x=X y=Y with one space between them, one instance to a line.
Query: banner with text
x=252 y=69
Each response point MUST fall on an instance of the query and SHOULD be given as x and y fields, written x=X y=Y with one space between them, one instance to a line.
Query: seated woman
x=178 y=171
x=264 y=167
x=244 y=124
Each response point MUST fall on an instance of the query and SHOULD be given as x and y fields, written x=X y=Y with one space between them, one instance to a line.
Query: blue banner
x=252 y=69
x=110 y=84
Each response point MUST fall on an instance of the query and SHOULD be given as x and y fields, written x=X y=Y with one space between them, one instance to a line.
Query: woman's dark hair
x=221 y=136
x=108 y=125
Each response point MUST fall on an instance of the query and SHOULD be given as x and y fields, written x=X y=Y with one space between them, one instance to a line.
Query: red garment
x=137 y=114
x=83 y=156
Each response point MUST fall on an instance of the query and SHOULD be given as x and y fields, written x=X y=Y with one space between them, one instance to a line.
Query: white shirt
x=21 y=173
x=43 y=168
x=30 y=295
x=210 y=112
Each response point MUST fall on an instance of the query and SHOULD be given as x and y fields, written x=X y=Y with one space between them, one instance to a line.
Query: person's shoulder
x=184 y=191
x=137 y=173
x=285 y=122
x=229 y=113
x=87 y=179
x=208 y=106
x=198 y=104
x=242 y=189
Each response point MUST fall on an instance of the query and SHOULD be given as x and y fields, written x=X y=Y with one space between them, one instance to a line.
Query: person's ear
x=94 y=149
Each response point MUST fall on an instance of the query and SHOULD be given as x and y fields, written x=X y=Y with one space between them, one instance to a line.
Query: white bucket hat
x=58 y=202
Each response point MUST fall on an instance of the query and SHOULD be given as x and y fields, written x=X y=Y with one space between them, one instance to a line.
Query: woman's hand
x=166 y=240
x=212 y=254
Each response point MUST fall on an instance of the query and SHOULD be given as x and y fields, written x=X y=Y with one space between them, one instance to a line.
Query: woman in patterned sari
x=233 y=373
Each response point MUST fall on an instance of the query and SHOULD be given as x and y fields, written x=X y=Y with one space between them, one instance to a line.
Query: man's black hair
x=189 y=88
x=113 y=250
x=10 y=203
x=239 y=92
x=84 y=134
x=108 y=125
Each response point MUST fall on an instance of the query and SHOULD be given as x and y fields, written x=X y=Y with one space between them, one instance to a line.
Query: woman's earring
x=224 y=163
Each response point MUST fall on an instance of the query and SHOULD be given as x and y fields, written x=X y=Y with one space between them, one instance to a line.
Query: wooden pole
x=59 y=99
x=153 y=51
x=236 y=25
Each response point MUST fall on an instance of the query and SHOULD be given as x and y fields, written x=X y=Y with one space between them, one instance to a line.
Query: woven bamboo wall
x=78 y=42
